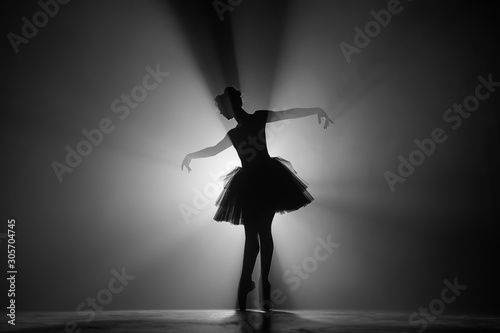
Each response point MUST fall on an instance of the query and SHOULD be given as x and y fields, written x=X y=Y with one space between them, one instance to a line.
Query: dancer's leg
x=266 y=243
x=266 y=256
x=249 y=256
x=250 y=253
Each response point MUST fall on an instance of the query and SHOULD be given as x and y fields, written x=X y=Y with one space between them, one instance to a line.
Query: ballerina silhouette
x=261 y=187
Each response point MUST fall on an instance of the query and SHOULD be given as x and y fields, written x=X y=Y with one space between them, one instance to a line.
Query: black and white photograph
x=250 y=166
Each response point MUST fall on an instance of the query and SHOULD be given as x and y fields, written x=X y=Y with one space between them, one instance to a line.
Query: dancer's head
x=228 y=102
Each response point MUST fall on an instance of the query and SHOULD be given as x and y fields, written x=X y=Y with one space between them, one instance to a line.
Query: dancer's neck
x=240 y=115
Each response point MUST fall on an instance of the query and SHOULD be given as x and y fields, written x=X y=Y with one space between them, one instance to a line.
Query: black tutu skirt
x=271 y=184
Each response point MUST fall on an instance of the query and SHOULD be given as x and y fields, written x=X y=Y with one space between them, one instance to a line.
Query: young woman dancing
x=262 y=186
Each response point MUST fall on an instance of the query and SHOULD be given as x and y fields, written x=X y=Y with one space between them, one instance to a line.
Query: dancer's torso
x=249 y=140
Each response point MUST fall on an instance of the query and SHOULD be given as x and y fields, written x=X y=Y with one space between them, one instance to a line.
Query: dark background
x=121 y=207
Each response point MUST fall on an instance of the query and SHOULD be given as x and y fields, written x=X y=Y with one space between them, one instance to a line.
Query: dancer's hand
x=322 y=114
x=185 y=163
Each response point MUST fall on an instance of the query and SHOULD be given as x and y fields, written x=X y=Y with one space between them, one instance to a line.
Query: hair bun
x=231 y=91
x=231 y=95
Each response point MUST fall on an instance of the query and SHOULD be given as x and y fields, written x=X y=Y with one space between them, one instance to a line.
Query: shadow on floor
x=208 y=321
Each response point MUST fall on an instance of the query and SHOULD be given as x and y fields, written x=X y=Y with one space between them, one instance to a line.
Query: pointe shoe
x=266 y=296
x=243 y=290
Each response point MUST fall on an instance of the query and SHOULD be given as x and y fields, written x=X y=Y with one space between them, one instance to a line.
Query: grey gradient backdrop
x=121 y=207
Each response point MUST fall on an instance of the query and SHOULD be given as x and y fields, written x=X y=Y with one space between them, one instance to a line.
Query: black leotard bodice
x=249 y=139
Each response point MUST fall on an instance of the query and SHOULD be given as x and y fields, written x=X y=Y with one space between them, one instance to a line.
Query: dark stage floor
x=252 y=321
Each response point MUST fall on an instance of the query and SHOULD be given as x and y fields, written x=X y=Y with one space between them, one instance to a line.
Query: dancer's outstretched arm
x=299 y=113
x=207 y=152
